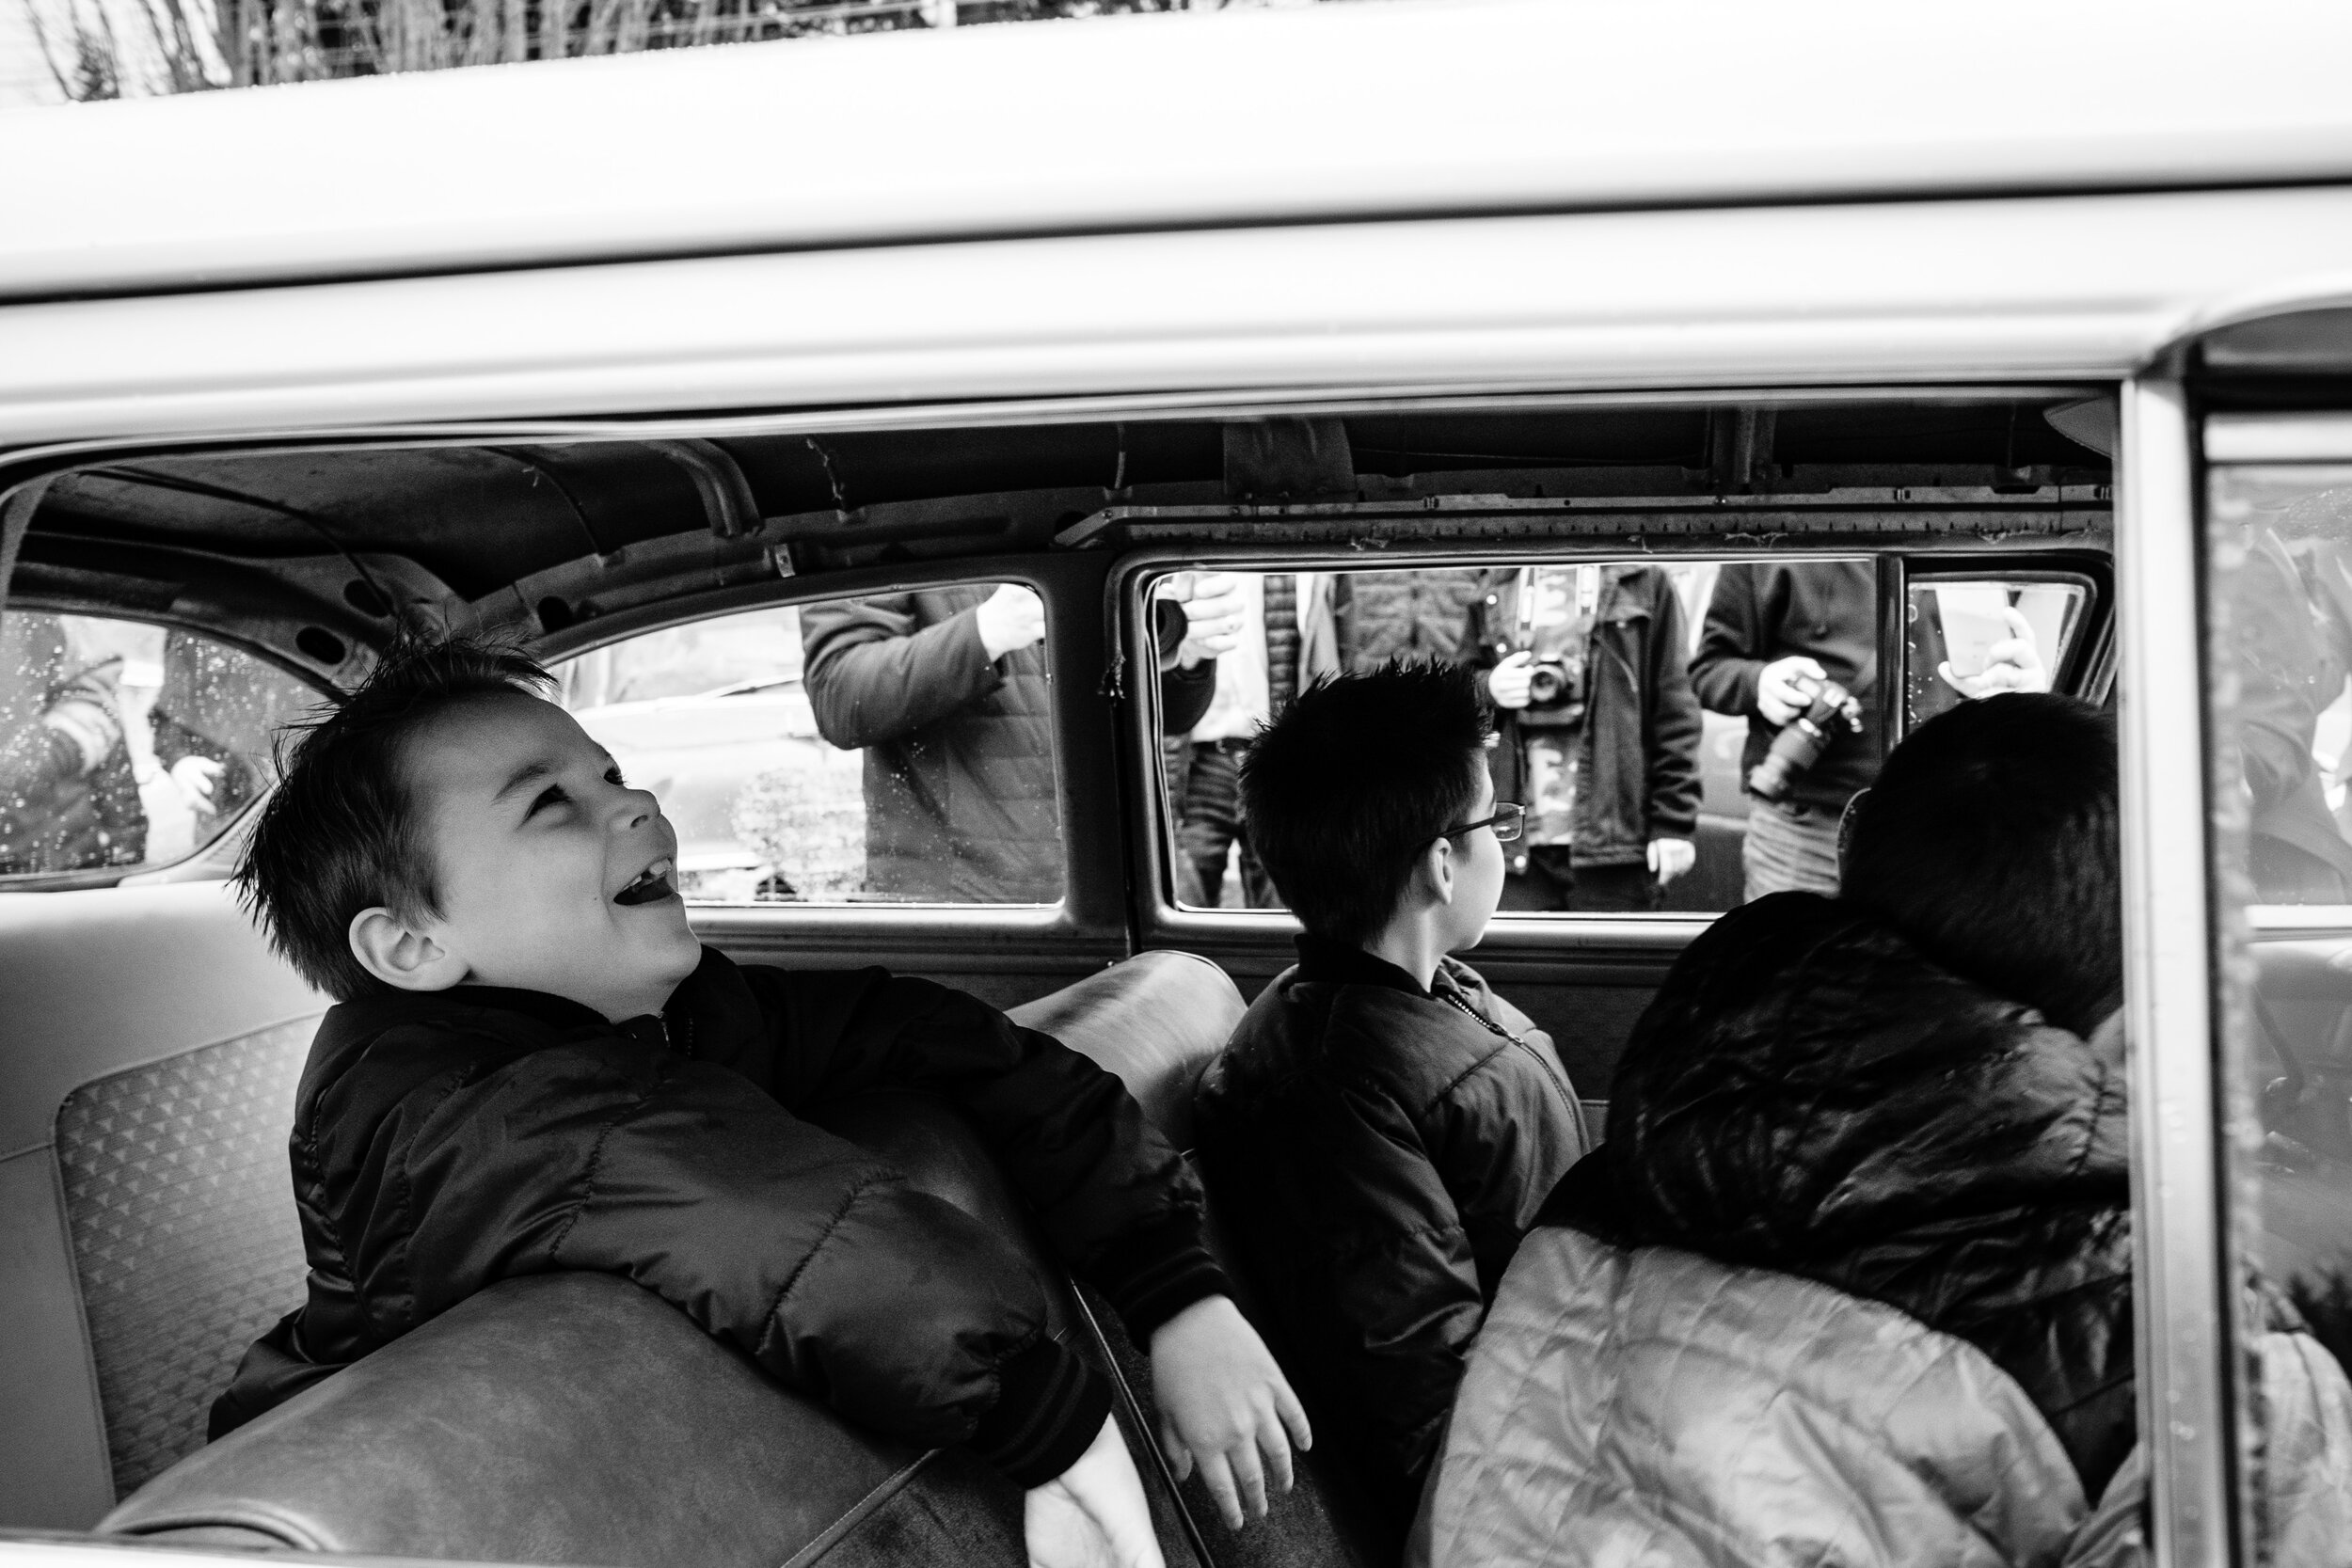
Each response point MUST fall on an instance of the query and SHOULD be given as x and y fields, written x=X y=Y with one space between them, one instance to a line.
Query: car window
x=1684 y=736
x=2279 y=561
x=893 y=748
x=125 y=745
x=1627 y=722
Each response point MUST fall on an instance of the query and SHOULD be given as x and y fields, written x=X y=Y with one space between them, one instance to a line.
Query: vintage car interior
x=143 y=1194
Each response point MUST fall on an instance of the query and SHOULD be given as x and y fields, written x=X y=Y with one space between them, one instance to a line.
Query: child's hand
x=1223 y=1401
x=1093 y=1516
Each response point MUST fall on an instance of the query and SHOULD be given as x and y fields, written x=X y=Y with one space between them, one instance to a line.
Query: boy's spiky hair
x=1353 y=780
x=1990 y=841
x=340 y=833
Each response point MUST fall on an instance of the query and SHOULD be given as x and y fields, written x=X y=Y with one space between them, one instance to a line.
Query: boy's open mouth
x=651 y=884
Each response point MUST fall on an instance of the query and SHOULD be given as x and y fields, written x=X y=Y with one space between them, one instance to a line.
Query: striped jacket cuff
x=1049 y=1405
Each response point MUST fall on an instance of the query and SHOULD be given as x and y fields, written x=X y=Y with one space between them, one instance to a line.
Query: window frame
x=2183 y=1271
x=1594 y=947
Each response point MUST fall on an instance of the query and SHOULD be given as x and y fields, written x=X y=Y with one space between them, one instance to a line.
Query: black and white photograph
x=1176 y=784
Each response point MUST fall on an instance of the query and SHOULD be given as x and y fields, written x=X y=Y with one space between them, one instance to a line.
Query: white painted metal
x=2167 y=983
x=1318 y=113
x=1884 y=292
x=2278 y=437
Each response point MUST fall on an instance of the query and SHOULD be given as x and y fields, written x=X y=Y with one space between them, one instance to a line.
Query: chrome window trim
x=2169 y=992
x=2278 y=438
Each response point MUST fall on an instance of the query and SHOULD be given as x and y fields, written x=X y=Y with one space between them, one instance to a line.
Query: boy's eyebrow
x=530 y=773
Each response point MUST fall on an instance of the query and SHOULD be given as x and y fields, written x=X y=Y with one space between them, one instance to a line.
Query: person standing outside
x=1597 y=732
x=1287 y=639
x=1770 y=625
x=945 y=690
x=1773 y=629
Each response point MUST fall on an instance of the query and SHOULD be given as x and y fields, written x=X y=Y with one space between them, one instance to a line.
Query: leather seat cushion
x=1157 y=1020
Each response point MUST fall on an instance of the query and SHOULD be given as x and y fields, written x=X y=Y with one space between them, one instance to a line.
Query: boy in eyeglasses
x=1382 y=1126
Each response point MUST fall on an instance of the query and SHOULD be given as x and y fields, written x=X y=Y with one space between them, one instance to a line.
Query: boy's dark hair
x=1991 y=842
x=1354 y=779
x=340 y=833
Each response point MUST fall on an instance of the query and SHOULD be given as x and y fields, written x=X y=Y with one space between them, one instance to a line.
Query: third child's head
x=1990 y=841
x=1349 y=795
x=446 y=825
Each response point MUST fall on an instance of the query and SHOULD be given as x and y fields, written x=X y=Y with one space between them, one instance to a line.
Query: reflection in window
x=2280 y=564
x=1979 y=637
x=125 y=745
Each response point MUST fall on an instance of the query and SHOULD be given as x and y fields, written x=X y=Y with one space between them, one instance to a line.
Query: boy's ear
x=400 y=955
x=1433 y=874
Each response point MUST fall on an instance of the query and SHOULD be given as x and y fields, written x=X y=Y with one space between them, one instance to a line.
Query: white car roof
x=1398 y=109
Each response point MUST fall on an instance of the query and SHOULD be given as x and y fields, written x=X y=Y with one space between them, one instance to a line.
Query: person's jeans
x=1209 y=825
x=1790 y=849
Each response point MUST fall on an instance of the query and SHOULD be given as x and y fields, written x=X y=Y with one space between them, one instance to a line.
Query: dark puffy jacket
x=1640 y=766
x=1421 y=615
x=1378 y=1153
x=1810 y=1094
x=1764 y=610
x=960 y=798
x=448 y=1140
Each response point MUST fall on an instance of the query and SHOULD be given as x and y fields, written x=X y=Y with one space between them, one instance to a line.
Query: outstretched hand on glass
x=2012 y=664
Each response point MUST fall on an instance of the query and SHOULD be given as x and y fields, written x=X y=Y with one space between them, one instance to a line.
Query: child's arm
x=1111 y=1193
x=1224 y=1402
x=804 y=1251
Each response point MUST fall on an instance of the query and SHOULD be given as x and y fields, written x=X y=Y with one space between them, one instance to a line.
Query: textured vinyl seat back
x=185 y=1242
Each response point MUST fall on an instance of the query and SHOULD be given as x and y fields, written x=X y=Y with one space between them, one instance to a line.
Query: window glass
x=1973 y=637
x=2279 y=559
x=1683 y=734
x=125 y=745
x=896 y=748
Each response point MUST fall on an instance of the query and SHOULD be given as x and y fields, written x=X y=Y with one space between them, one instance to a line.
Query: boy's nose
x=635 y=808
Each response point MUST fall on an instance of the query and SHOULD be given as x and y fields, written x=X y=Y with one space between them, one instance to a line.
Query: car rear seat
x=145 y=1230
x=575 y=1419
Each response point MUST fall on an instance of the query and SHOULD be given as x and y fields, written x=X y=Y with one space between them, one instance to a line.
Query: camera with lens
x=1551 y=680
x=1799 y=742
x=1555 y=694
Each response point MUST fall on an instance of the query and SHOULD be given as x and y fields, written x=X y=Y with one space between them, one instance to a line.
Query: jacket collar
x=1338 y=963
x=1806 y=1076
x=709 y=1006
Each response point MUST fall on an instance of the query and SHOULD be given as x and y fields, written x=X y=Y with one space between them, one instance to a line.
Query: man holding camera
x=1598 y=732
x=1794 y=648
x=1775 y=633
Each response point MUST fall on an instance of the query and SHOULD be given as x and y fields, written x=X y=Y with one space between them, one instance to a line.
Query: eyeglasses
x=1509 y=817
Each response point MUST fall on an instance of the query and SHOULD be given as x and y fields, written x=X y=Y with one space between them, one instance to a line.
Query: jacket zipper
x=1493 y=1028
